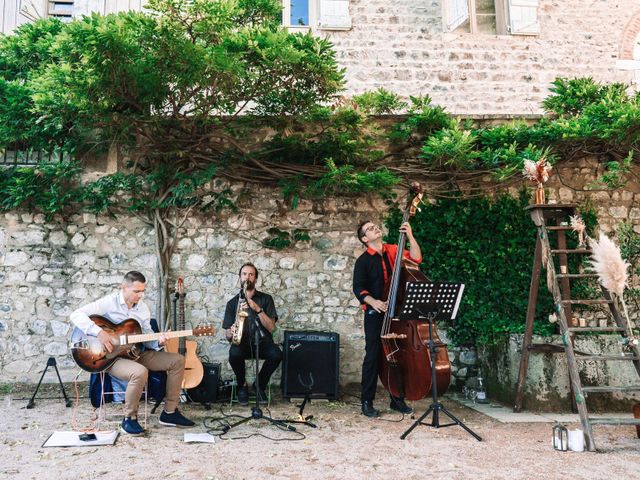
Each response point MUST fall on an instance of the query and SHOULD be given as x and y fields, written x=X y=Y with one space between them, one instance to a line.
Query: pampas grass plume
x=607 y=262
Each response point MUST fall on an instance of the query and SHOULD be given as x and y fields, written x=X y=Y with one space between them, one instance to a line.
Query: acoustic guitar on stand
x=91 y=355
x=193 y=369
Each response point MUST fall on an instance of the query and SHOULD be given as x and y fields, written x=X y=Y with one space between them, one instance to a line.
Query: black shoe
x=243 y=396
x=131 y=426
x=261 y=394
x=398 y=405
x=368 y=410
x=175 y=419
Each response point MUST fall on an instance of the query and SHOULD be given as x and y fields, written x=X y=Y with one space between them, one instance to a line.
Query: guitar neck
x=149 y=337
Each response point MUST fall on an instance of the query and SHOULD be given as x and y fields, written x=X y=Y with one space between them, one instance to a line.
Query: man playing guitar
x=117 y=307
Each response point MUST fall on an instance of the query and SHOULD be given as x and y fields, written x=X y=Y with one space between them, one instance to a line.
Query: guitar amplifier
x=207 y=390
x=311 y=361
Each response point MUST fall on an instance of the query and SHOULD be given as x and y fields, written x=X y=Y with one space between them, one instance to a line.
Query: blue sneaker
x=175 y=419
x=131 y=426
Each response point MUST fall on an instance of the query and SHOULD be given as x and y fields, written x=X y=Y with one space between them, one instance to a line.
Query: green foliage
x=488 y=245
x=379 y=102
x=347 y=180
x=281 y=239
x=48 y=188
x=423 y=119
x=451 y=148
x=6 y=388
x=570 y=97
x=629 y=242
x=615 y=173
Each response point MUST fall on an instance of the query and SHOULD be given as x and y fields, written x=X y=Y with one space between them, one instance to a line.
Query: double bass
x=406 y=362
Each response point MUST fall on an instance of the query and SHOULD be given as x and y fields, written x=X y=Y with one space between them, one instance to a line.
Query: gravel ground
x=345 y=445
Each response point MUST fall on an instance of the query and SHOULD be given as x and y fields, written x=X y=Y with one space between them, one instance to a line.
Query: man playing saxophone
x=256 y=311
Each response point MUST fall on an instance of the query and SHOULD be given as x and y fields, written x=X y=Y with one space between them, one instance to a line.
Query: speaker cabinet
x=311 y=360
x=207 y=391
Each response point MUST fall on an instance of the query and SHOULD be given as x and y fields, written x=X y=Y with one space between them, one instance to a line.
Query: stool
x=102 y=401
x=252 y=397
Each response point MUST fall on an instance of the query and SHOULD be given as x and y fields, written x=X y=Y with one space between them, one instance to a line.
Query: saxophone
x=242 y=312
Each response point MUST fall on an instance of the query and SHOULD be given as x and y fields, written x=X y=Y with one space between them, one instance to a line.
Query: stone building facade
x=414 y=47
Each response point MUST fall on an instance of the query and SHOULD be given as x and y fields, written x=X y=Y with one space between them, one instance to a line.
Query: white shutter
x=85 y=7
x=523 y=17
x=33 y=9
x=334 y=15
x=457 y=13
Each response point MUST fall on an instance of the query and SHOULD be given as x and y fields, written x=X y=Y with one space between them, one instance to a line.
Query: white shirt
x=115 y=309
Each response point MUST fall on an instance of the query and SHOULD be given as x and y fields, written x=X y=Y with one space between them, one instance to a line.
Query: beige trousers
x=137 y=371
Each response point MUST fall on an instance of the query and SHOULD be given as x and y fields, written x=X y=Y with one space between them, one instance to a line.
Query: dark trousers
x=372 y=355
x=268 y=351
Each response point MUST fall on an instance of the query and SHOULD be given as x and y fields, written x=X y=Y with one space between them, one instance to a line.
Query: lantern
x=560 y=438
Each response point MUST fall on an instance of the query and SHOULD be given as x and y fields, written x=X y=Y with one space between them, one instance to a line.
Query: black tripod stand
x=51 y=362
x=256 y=411
x=449 y=295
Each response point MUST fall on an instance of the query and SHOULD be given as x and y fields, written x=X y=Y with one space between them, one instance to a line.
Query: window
x=497 y=17
x=299 y=13
x=61 y=9
x=321 y=14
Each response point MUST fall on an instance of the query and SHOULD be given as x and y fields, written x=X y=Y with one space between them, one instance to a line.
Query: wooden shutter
x=523 y=17
x=457 y=13
x=334 y=15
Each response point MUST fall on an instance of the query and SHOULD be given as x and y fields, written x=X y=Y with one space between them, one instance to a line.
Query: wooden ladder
x=555 y=218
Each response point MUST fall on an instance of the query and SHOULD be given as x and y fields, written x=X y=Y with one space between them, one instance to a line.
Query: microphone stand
x=256 y=411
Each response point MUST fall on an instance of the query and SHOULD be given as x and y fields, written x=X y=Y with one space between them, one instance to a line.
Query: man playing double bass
x=371 y=272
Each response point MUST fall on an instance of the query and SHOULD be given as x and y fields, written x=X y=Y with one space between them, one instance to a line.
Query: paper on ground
x=199 y=438
x=72 y=439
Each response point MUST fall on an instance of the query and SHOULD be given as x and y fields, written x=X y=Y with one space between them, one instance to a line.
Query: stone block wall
x=401 y=46
x=547 y=386
x=49 y=267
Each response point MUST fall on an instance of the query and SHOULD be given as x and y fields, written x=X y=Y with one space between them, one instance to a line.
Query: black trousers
x=372 y=355
x=268 y=351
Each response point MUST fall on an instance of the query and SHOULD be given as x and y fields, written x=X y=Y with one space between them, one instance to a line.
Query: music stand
x=433 y=301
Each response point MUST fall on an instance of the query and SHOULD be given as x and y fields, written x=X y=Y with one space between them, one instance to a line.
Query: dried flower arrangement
x=537 y=172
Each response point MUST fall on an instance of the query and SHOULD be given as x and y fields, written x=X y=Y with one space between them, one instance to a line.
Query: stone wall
x=547 y=383
x=48 y=268
x=401 y=46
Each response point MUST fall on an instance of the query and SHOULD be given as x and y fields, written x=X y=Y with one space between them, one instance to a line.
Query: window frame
x=501 y=16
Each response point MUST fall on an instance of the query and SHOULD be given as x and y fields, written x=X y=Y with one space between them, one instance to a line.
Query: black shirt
x=372 y=270
x=265 y=301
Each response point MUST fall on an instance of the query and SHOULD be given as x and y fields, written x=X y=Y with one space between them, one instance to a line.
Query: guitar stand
x=307 y=399
x=436 y=407
x=51 y=362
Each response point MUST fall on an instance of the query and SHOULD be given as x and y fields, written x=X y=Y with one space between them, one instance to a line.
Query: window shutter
x=334 y=15
x=85 y=7
x=523 y=17
x=457 y=13
x=33 y=9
